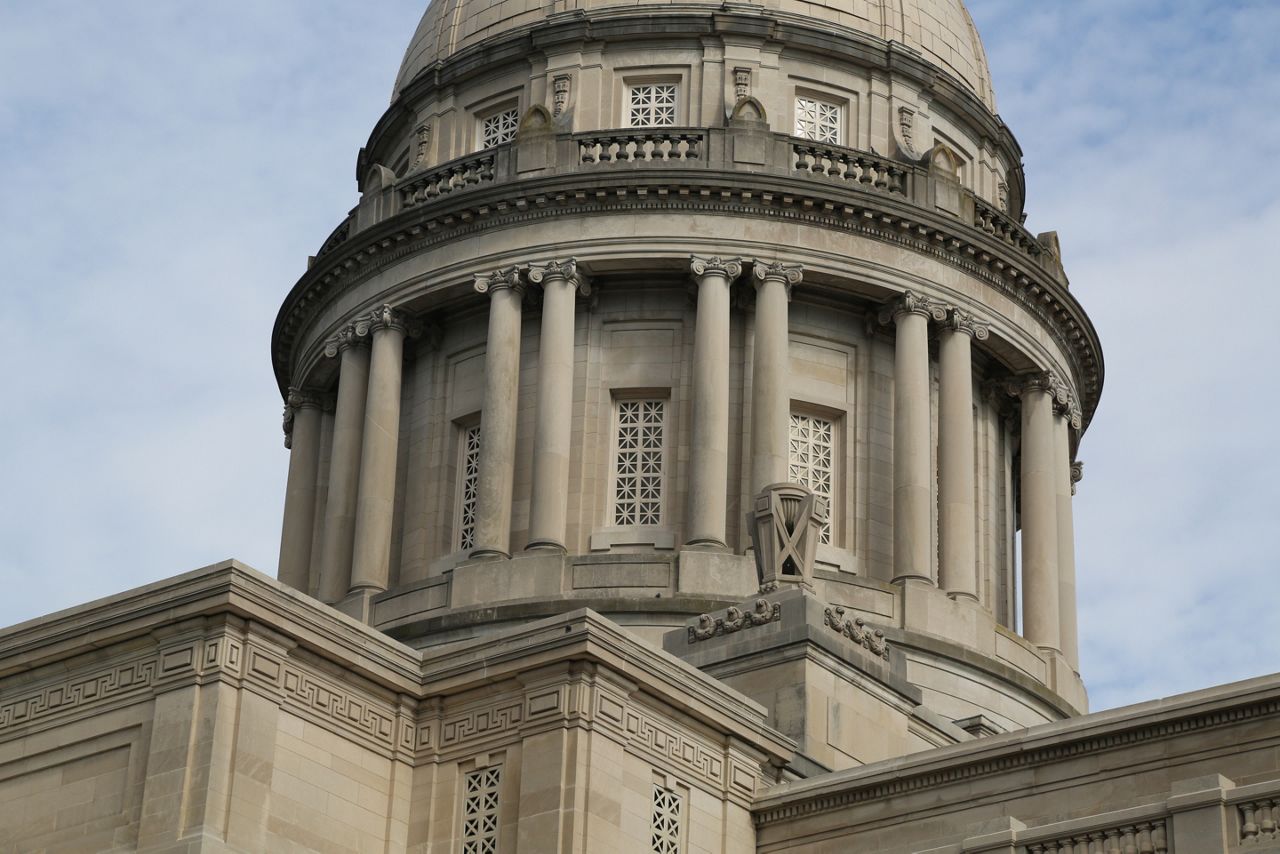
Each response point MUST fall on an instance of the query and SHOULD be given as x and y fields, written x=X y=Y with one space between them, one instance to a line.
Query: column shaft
x=371 y=555
x=300 y=494
x=498 y=419
x=1068 y=631
x=912 y=462
x=958 y=558
x=709 y=474
x=1040 y=610
x=552 y=434
x=770 y=367
x=344 y=473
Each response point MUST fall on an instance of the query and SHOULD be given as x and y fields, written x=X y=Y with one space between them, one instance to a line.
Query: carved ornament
x=730 y=268
x=353 y=334
x=910 y=302
x=422 y=143
x=959 y=320
x=386 y=317
x=503 y=279
x=566 y=270
x=856 y=630
x=560 y=94
x=741 y=83
x=1077 y=474
x=735 y=620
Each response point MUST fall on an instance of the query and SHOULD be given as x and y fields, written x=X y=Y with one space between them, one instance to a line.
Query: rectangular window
x=468 y=481
x=638 y=465
x=811 y=456
x=652 y=105
x=666 y=821
x=499 y=128
x=480 y=811
x=819 y=120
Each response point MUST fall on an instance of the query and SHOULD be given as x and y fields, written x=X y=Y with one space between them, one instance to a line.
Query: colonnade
x=358 y=514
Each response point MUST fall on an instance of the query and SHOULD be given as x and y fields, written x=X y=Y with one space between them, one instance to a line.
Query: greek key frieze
x=330 y=702
x=461 y=728
x=122 y=680
x=649 y=735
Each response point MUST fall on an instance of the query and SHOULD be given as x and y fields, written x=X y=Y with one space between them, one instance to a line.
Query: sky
x=167 y=167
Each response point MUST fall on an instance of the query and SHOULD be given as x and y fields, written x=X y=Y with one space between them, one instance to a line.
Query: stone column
x=1040 y=610
x=552 y=432
x=709 y=470
x=770 y=398
x=344 y=460
x=958 y=553
x=498 y=419
x=912 y=460
x=302 y=418
x=371 y=556
x=1066 y=419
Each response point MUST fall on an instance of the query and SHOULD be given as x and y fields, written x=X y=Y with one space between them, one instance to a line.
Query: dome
x=941 y=30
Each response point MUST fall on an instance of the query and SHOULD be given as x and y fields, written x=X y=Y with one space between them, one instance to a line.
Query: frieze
x=953 y=247
x=656 y=738
x=856 y=630
x=735 y=620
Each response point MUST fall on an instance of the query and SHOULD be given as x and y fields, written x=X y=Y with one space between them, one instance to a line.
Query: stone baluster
x=498 y=419
x=302 y=422
x=912 y=462
x=1041 y=613
x=552 y=433
x=371 y=556
x=709 y=477
x=958 y=553
x=344 y=461
x=1066 y=418
x=770 y=398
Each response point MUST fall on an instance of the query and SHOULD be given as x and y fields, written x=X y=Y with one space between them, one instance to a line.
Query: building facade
x=683 y=436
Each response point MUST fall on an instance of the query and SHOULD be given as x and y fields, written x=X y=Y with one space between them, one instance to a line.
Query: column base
x=707 y=544
x=915 y=579
x=546 y=546
x=488 y=554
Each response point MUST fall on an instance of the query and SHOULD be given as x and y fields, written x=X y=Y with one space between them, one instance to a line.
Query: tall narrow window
x=480 y=811
x=652 y=105
x=638 y=466
x=819 y=121
x=469 y=471
x=811 y=459
x=498 y=128
x=666 y=821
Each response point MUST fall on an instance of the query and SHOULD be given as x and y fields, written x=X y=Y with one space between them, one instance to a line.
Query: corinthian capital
x=910 y=302
x=730 y=268
x=567 y=270
x=386 y=317
x=959 y=320
x=508 y=278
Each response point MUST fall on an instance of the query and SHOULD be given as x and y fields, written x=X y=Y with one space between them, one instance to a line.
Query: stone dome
x=941 y=30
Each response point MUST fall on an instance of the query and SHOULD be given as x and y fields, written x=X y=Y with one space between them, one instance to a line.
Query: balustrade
x=1144 y=837
x=847 y=164
x=999 y=225
x=1259 y=821
x=460 y=173
x=640 y=146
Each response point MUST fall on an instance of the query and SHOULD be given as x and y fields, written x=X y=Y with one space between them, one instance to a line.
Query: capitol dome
x=941 y=30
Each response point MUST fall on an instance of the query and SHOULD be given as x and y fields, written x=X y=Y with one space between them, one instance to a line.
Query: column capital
x=959 y=320
x=386 y=317
x=295 y=401
x=730 y=268
x=567 y=270
x=1077 y=474
x=354 y=334
x=508 y=278
x=789 y=274
x=910 y=302
x=1045 y=381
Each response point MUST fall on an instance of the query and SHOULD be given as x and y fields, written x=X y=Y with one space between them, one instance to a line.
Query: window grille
x=638 y=473
x=666 y=821
x=653 y=105
x=818 y=120
x=498 y=128
x=480 y=811
x=811 y=459
x=467 y=487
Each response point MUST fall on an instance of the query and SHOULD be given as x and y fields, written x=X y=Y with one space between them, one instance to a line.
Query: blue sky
x=166 y=168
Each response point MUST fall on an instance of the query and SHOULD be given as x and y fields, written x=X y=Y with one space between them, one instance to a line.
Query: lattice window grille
x=498 y=128
x=480 y=811
x=666 y=821
x=818 y=120
x=653 y=105
x=638 y=476
x=811 y=459
x=469 y=485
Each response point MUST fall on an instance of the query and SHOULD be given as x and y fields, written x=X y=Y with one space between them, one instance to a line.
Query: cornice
x=1002 y=262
